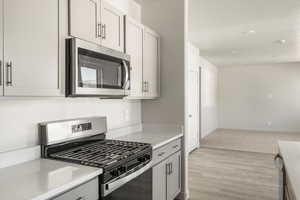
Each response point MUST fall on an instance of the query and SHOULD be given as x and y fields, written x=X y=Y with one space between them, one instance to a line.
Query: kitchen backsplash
x=19 y=118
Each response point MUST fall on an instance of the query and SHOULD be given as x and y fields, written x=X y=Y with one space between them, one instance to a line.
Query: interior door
x=150 y=63
x=193 y=109
x=1 y=49
x=31 y=47
x=174 y=176
x=112 y=27
x=134 y=47
x=84 y=20
x=160 y=181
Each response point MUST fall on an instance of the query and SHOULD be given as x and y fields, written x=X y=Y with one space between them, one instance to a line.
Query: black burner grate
x=102 y=153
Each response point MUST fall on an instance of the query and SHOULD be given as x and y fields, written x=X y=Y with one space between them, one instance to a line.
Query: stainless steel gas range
x=127 y=172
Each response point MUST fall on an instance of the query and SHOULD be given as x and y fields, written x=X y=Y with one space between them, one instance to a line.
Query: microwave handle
x=125 y=86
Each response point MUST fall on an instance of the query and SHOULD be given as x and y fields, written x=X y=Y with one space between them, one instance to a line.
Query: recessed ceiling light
x=280 y=41
x=250 y=32
x=234 y=52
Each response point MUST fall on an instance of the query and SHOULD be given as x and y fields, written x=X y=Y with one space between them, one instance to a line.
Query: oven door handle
x=126 y=83
x=108 y=188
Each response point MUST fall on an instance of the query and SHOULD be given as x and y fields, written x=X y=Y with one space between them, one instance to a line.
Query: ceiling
x=238 y=32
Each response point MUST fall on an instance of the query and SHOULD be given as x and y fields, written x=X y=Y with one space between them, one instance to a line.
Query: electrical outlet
x=126 y=115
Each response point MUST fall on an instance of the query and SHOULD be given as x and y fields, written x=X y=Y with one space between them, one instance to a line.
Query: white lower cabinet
x=31 y=29
x=160 y=181
x=173 y=176
x=167 y=173
x=87 y=191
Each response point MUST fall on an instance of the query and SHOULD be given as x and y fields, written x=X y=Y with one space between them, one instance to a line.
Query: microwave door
x=112 y=75
x=96 y=71
x=99 y=77
x=89 y=75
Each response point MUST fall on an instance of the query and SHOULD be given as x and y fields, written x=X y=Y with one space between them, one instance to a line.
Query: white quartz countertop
x=42 y=179
x=290 y=152
x=156 y=138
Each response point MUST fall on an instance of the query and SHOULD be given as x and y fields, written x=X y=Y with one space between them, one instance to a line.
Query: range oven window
x=99 y=71
x=139 y=188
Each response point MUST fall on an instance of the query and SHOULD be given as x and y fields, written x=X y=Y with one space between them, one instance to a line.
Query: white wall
x=129 y=7
x=19 y=116
x=209 y=97
x=260 y=97
x=167 y=18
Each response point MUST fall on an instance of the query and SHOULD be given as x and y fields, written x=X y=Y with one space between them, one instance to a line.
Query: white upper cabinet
x=1 y=49
x=134 y=47
x=142 y=44
x=84 y=20
x=112 y=21
x=151 y=43
x=97 y=21
x=31 y=48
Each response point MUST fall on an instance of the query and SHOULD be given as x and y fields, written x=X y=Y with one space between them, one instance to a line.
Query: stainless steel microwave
x=96 y=71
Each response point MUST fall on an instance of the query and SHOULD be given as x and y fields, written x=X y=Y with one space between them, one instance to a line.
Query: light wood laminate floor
x=244 y=140
x=216 y=174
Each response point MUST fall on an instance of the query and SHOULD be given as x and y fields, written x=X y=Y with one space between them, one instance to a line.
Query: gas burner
x=103 y=153
x=83 y=141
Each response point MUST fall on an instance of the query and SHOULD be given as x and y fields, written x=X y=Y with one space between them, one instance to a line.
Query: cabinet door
x=84 y=20
x=150 y=64
x=31 y=47
x=160 y=181
x=112 y=21
x=1 y=48
x=174 y=176
x=134 y=47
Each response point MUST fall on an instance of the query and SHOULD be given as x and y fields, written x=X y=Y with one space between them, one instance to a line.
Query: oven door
x=136 y=186
x=93 y=70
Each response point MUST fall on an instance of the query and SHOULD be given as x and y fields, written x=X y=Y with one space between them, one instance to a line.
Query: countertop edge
x=66 y=187
x=167 y=141
x=287 y=167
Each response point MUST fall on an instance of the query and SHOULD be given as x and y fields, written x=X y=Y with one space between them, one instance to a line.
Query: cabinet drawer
x=87 y=191
x=165 y=151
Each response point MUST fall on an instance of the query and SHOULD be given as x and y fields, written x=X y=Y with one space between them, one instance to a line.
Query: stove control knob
x=142 y=159
x=122 y=169
x=114 y=173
